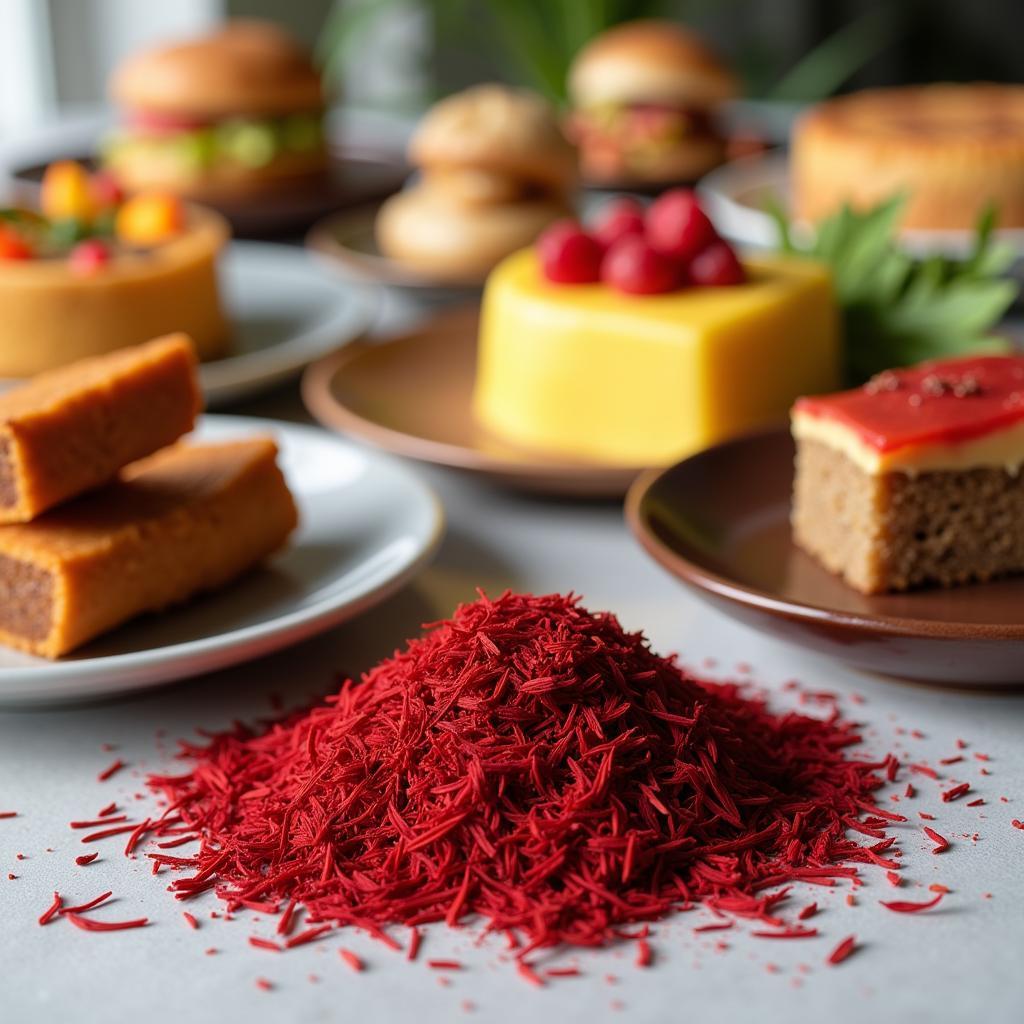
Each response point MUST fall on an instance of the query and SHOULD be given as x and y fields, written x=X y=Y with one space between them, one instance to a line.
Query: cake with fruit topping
x=235 y=113
x=646 y=338
x=953 y=150
x=915 y=478
x=91 y=272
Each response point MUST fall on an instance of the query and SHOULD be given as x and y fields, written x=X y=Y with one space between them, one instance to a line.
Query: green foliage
x=898 y=310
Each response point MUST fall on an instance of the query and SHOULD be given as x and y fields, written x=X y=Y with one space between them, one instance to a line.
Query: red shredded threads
x=1017 y=823
x=8 y=814
x=91 y=905
x=940 y=841
x=956 y=792
x=413 y=795
x=309 y=935
x=111 y=808
x=843 y=950
x=907 y=907
x=52 y=910
x=445 y=965
x=112 y=769
x=89 y=924
x=258 y=943
x=86 y=858
x=190 y=919
x=351 y=959
x=415 y=939
x=809 y=911
x=644 y=956
x=787 y=933
x=529 y=975
x=262 y=983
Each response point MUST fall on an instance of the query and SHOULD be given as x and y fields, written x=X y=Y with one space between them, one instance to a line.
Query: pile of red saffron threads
x=534 y=766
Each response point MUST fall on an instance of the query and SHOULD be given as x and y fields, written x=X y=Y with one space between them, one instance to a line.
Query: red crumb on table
x=351 y=959
x=842 y=951
x=110 y=770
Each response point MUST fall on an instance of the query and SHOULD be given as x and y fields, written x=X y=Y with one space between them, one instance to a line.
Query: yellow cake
x=589 y=372
x=952 y=149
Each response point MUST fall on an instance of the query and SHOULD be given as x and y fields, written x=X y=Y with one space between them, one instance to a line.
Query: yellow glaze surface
x=590 y=372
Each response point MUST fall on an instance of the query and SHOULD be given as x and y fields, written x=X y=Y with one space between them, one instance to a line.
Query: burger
x=233 y=114
x=644 y=98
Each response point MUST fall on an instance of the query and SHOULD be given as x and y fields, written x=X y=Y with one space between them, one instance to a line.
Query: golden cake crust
x=952 y=148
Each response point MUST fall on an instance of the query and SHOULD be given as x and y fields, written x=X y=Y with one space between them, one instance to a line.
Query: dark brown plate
x=720 y=522
x=412 y=395
x=355 y=179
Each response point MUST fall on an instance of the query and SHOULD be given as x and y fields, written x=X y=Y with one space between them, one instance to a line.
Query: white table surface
x=958 y=963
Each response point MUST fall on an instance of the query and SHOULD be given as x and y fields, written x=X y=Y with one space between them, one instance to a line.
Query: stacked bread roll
x=495 y=170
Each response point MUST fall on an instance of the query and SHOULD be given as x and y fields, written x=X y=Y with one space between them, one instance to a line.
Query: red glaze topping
x=944 y=402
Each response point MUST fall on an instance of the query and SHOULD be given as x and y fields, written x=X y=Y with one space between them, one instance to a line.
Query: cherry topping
x=568 y=255
x=632 y=266
x=617 y=219
x=717 y=265
x=88 y=257
x=677 y=226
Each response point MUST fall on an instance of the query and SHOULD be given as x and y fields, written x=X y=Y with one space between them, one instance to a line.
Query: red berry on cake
x=717 y=266
x=632 y=265
x=89 y=256
x=677 y=227
x=568 y=255
x=617 y=219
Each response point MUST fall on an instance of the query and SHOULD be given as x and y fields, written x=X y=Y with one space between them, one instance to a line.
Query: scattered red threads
x=529 y=975
x=52 y=910
x=563 y=972
x=893 y=879
x=1016 y=823
x=939 y=887
x=309 y=935
x=111 y=808
x=190 y=920
x=258 y=943
x=265 y=984
x=956 y=792
x=907 y=907
x=88 y=924
x=444 y=965
x=102 y=820
x=956 y=759
x=851 y=900
x=287 y=922
x=925 y=816
x=91 y=905
x=842 y=951
x=415 y=940
x=8 y=814
x=940 y=841
x=518 y=710
x=120 y=830
x=961 y=744
x=806 y=912
x=110 y=770
x=86 y=858
x=976 y=803
x=716 y=927
x=644 y=956
x=923 y=769
x=910 y=791
x=787 y=933
x=351 y=959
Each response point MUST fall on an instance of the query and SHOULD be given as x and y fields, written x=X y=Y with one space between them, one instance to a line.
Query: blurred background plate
x=719 y=521
x=412 y=395
x=367 y=525
x=737 y=194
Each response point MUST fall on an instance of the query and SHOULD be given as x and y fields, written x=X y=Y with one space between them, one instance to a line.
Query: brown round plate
x=347 y=241
x=354 y=179
x=719 y=521
x=412 y=395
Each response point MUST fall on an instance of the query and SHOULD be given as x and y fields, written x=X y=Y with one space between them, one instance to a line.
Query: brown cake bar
x=69 y=430
x=186 y=520
x=917 y=478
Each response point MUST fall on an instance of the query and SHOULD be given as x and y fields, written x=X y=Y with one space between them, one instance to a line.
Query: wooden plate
x=347 y=241
x=354 y=179
x=720 y=522
x=412 y=395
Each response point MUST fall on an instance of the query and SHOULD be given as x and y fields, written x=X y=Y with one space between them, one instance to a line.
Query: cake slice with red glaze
x=915 y=479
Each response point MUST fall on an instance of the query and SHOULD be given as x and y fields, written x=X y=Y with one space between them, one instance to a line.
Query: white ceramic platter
x=735 y=197
x=367 y=526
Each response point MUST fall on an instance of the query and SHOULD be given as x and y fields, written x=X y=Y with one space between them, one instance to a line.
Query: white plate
x=735 y=197
x=286 y=312
x=367 y=526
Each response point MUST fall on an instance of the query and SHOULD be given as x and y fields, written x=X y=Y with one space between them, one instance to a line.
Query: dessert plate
x=367 y=525
x=413 y=395
x=719 y=521
x=736 y=194
x=346 y=243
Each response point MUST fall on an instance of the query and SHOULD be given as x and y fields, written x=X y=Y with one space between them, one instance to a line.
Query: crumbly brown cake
x=893 y=531
x=917 y=478
x=181 y=522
